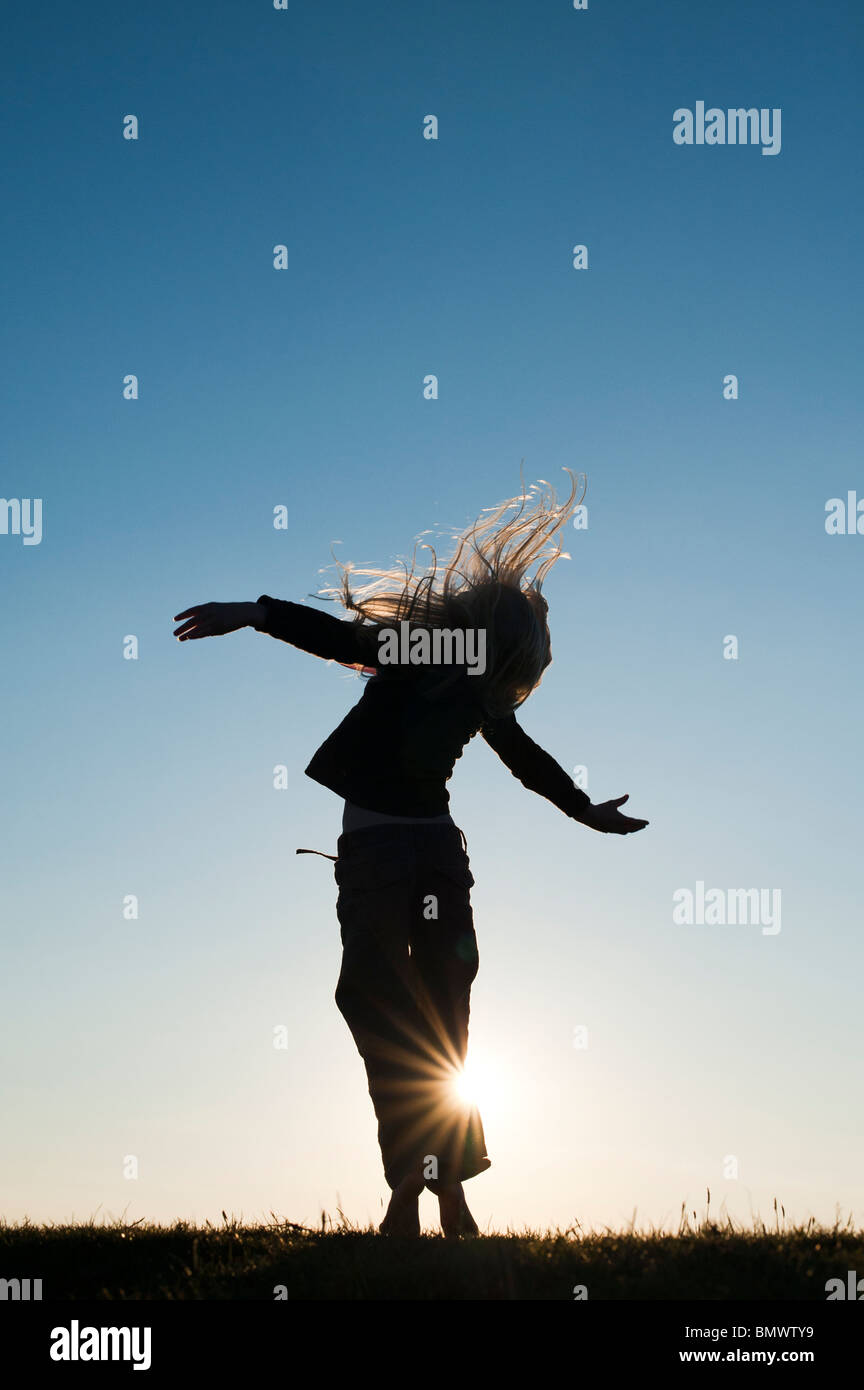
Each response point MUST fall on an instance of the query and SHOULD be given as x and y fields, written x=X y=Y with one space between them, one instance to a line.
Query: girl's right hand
x=213 y=619
x=606 y=818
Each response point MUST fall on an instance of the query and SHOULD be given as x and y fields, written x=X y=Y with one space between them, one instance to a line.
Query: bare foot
x=456 y=1219
x=403 y=1213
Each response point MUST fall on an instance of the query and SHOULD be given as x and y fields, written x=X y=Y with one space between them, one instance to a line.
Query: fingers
x=625 y=825
x=191 y=631
x=195 y=626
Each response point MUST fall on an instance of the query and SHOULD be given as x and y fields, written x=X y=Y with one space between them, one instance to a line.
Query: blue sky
x=304 y=387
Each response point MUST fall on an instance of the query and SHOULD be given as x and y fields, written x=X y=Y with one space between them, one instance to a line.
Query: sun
x=477 y=1083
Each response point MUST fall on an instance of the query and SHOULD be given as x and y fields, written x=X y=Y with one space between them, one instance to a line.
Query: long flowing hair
x=487 y=584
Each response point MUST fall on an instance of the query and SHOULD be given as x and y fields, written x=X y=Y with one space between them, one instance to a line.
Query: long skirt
x=409 y=957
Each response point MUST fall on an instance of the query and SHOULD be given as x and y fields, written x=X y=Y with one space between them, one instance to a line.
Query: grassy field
x=703 y=1260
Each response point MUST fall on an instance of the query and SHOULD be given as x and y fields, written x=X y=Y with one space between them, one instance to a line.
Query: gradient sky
x=303 y=387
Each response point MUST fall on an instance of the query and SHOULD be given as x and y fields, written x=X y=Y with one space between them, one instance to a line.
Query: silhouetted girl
x=448 y=656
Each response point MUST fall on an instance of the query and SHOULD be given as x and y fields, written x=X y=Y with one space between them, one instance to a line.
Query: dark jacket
x=395 y=750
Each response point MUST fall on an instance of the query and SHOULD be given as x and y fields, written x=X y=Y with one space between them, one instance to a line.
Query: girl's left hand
x=213 y=619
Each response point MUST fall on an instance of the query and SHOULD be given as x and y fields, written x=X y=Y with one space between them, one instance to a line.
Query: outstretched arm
x=322 y=634
x=540 y=773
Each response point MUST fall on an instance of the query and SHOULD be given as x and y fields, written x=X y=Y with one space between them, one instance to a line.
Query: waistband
x=396 y=833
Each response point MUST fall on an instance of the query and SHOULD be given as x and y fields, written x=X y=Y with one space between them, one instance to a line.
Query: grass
x=703 y=1259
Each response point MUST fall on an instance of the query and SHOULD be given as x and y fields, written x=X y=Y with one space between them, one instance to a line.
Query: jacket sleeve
x=534 y=767
x=322 y=634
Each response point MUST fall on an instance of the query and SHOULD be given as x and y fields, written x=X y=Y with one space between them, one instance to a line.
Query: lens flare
x=477 y=1084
